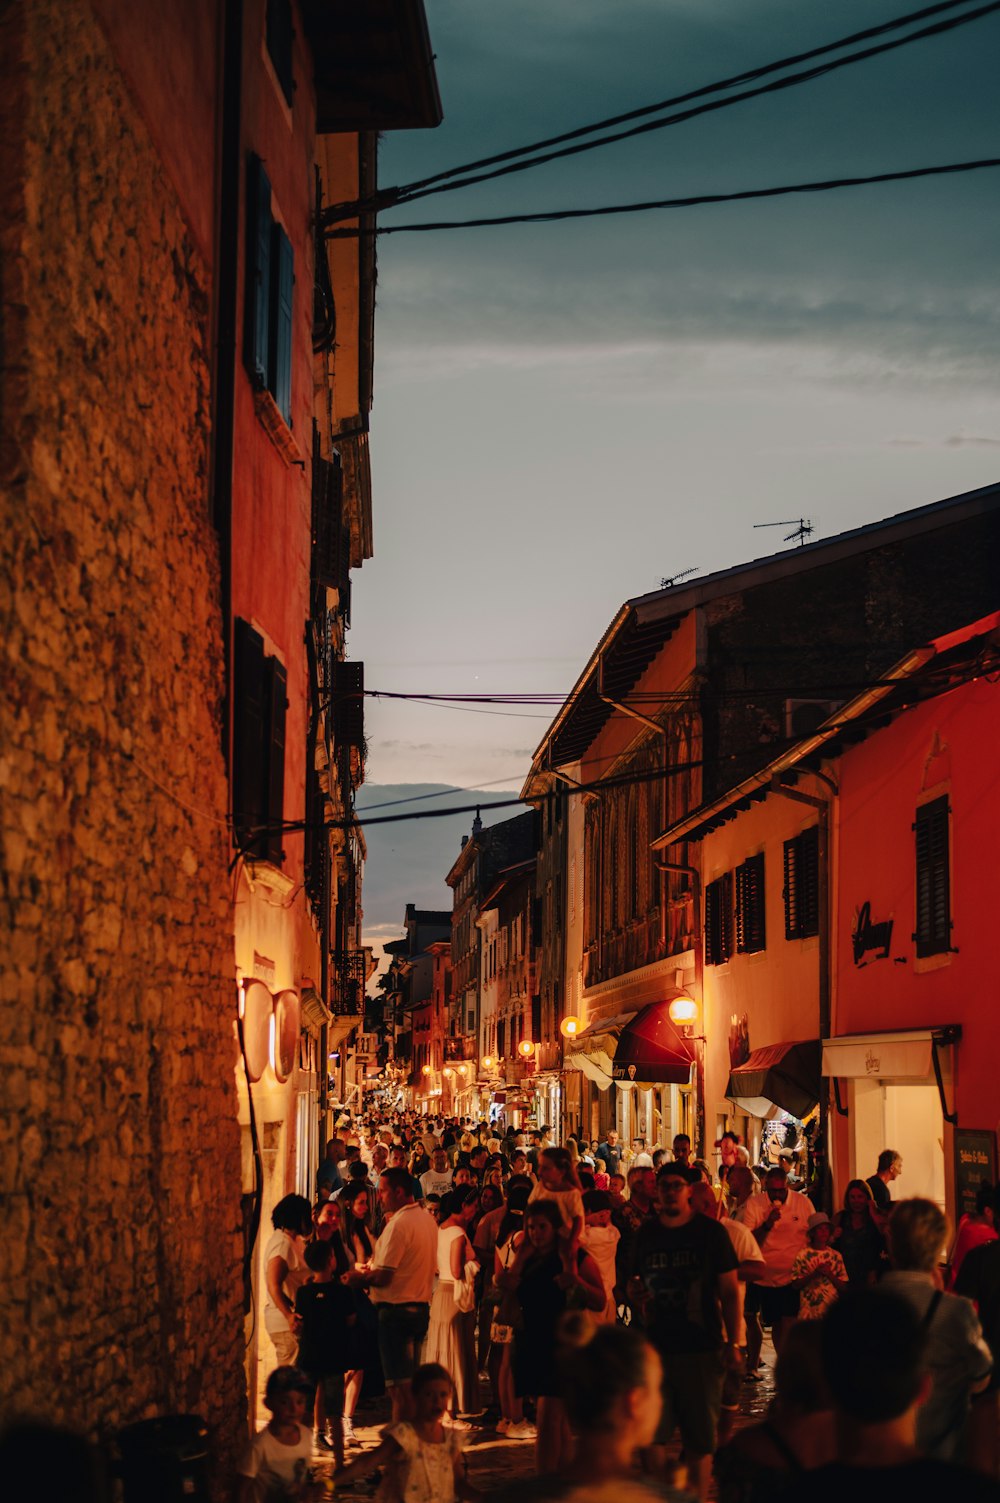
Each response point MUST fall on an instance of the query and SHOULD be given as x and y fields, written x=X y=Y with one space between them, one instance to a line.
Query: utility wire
x=551 y=216
x=449 y=181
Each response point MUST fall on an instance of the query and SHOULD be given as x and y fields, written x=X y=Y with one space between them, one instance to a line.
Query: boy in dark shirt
x=326 y=1315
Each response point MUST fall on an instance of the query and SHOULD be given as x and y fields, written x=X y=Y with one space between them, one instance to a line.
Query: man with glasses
x=779 y=1219
x=684 y=1291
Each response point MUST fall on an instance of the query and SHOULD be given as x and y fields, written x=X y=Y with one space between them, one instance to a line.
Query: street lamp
x=487 y=1061
x=526 y=1048
x=683 y=1012
x=570 y=1027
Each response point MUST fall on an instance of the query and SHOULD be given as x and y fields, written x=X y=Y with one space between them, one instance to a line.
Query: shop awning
x=651 y=1051
x=592 y=1068
x=881 y=1056
x=782 y=1075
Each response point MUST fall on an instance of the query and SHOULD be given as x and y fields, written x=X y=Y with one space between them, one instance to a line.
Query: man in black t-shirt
x=685 y=1292
x=890 y=1167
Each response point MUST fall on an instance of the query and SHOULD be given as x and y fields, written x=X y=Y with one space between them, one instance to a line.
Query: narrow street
x=495 y=1463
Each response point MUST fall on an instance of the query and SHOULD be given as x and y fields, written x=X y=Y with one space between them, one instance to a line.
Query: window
x=750 y=932
x=933 y=933
x=267 y=336
x=802 y=885
x=259 y=705
x=719 y=920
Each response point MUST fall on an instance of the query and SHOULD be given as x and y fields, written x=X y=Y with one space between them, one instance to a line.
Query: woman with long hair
x=610 y=1386
x=354 y=1203
x=857 y=1235
x=546 y=1288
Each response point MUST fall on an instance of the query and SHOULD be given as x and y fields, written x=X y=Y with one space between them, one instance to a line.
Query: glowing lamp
x=683 y=1011
x=526 y=1048
x=448 y=1074
x=569 y=1027
x=426 y=1070
x=487 y=1061
x=463 y=1070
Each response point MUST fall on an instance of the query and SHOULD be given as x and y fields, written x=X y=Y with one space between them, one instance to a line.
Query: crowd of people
x=599 y=1301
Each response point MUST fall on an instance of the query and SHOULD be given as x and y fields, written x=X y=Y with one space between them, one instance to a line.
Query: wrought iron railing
x=348 y=974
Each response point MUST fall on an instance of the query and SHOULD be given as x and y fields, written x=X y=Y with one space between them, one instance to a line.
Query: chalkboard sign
x=975 y=1161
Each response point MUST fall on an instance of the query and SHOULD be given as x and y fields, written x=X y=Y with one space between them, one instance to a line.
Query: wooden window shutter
x=250 y=711
x=719 y=919
x=327 y=529
x=933 y=932
x=750 y=928
x=349 y=704
x=536 y=1017
x=282 y=272
x=801 y=890
x=257 y=327
x=277 y=706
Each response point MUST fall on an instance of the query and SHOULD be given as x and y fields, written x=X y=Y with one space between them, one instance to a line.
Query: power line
x=450 y=180
x=551 y=216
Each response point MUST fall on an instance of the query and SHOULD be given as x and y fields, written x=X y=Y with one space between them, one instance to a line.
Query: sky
x=565 y=414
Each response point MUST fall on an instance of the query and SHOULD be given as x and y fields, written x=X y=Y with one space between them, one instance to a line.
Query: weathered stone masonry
x=119 y=1265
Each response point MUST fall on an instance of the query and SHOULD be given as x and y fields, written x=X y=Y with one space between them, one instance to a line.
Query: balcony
x=348 y=975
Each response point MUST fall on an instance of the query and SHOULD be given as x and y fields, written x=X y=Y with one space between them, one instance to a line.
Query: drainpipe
x=586 y=1088
x=694 y=873
x=822 y=807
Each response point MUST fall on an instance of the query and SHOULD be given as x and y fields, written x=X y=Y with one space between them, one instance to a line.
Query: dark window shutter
x=501 y=1037
x=279 y=35
x=933 y=933
x=283 y=281
x=750 y=930
x=327 y=530
x=277 y=705
x=348 y=703
x=257 y=327
x=719 y=920
x=250 y=712
x=536 y=1017
x=712 y=895
x=801 y=892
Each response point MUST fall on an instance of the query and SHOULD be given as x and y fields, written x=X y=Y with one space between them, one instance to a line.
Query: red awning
x=651 y=1050
x=783 y=1075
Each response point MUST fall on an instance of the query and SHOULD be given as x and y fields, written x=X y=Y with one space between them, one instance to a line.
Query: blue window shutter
x=257 y=328
x=283 y=281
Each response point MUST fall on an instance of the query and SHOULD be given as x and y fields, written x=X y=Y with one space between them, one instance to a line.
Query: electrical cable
x=552 y=216
x=448 y=182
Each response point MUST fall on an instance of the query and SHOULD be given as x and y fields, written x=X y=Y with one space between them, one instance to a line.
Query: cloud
x=960 y=440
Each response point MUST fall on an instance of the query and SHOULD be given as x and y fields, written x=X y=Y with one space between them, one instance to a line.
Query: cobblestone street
x=494 y=1462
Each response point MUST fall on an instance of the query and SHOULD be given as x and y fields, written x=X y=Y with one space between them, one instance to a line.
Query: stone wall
x=120 y=1288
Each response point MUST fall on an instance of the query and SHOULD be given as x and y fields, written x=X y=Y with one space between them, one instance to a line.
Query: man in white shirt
x=779 y=1220
x=400 y=1276
x=437 y=1179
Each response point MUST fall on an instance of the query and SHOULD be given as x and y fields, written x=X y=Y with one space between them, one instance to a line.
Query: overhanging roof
x=645 y=623
x=374 y=65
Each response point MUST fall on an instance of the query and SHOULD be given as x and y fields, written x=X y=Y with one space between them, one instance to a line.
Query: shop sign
x=975 y=1161
x=868 y=936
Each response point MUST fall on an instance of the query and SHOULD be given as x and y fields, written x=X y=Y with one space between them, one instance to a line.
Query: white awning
x=881 y=1056
x=591 y=1066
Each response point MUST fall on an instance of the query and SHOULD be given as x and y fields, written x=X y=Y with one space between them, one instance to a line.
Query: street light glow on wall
x=569 y=1027
x=526 y=1048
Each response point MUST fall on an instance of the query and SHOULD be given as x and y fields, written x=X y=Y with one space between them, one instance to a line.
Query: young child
x=558 y=1181
x=423 y=1460
x=818 y=1271
x=601 y=1240
x=276 y=1466
x=326 y=1315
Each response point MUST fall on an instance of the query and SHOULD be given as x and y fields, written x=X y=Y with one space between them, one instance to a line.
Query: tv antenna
x=802 y=528
x=671 y=580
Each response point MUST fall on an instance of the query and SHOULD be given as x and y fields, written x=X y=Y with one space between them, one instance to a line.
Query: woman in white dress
x=451 y=1334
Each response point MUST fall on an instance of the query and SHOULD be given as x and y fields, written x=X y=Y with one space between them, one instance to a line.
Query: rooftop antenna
x=802 y=528
x=671 y=580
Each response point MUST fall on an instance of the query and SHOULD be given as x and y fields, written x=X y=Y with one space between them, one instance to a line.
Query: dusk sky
x=566 y=413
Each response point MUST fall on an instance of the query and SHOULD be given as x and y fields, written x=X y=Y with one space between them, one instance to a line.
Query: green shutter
x=283 y=281
x=257 y=325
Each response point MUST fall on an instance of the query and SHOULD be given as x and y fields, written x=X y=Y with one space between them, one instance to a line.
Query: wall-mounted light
x=683 y=1011
x=570 y=1027
x=448 y=1074
x=463 y=1070
x=526 y=1048
x=487 y=1061
x=426 y=1070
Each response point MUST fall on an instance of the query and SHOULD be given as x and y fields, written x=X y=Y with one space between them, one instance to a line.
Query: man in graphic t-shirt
x=685 y=1291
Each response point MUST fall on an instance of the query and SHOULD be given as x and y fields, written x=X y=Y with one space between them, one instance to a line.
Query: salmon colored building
x=915 y=1033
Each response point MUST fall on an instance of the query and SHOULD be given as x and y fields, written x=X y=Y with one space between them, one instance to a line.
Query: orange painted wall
x=271 y=500
x=778 y=988
x=670 y=669
x=948 y=745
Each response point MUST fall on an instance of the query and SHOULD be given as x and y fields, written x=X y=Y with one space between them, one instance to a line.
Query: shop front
x=895 y=1090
